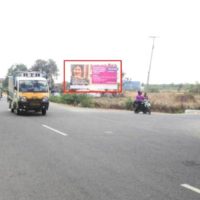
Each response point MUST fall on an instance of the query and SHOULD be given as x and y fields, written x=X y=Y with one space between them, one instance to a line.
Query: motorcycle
x=144 y=106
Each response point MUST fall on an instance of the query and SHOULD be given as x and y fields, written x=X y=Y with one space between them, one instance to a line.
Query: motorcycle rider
x=141 y=103
x=139 y=97
x=145 y=96
x=138 y=100
x=146 y=101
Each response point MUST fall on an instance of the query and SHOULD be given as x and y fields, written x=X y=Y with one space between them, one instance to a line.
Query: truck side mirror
x=15 y=88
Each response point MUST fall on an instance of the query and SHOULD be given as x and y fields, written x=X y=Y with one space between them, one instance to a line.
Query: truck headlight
x=45 y=99
x=23 y=99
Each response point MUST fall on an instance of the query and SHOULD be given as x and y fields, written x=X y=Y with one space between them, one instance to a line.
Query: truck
x=28 y=91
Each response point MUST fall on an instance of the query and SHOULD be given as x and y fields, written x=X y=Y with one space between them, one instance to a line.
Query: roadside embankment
x=168 y=102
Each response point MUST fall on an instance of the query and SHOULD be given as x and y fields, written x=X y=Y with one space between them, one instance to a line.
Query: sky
x=105 y=29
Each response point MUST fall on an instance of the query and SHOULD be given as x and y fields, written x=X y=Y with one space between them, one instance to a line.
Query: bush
x=185 y=98
x=153 y=90
x=86 y=101
x=129 y=104
x=168 y=108
x=71 y=99
x=74 y=99
x=55 y=99
x=195 y=89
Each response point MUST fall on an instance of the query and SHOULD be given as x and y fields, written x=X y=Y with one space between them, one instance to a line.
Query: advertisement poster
x=92 y=76
x=79 y=74
x=104 y=74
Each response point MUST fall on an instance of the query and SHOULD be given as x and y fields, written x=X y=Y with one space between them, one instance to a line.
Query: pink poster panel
x=104 y=74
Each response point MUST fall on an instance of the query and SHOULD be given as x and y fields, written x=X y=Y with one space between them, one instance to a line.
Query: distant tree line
x=187 y=87
x=49 y=68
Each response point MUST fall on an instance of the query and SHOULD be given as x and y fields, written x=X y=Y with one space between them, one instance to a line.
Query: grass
x=172 y=102
x=169 y=102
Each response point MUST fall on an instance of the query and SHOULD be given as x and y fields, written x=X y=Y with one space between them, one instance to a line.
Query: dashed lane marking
x=52 y=129
x=194 y=189
x=108 y=132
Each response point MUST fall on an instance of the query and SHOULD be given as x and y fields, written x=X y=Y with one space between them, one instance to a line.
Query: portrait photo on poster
x=79 y=74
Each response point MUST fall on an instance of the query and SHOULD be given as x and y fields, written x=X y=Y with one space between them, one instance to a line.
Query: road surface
x=90 y=154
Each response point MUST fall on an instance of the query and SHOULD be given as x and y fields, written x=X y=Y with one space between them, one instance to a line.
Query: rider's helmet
x=139 y=92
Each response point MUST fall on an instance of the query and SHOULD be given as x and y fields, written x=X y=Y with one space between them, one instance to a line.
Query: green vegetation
x=48 y=67
x=74 y=99
x=12 y=70
x=168 y=102
x=191 y=88
x=129 y=103
x=171 y=98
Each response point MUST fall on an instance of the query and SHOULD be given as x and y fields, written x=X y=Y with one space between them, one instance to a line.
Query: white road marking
x=52 y=129
x=191 y=188
x=108 y=132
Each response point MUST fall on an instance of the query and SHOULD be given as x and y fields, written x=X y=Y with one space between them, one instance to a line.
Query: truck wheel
x=44 y=112
x=149 y=112
x=18 y=112
x=10 y=107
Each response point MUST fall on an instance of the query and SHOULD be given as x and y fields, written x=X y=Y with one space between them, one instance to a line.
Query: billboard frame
x=91 y=91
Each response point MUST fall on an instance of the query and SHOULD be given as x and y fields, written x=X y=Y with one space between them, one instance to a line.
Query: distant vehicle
x=28 y=91
x=144 y=106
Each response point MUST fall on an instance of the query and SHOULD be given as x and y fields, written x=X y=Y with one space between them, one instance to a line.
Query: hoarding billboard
x=92 y=76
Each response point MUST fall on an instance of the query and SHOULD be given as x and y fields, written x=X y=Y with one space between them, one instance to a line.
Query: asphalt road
x=89 y=154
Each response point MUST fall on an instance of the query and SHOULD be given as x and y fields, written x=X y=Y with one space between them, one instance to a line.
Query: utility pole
x=148 y=76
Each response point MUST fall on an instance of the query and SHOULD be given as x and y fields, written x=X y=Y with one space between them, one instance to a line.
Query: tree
x=16 y=68
x=12 y=71
x=49 y=68
x=195 y=88
x=180 y=87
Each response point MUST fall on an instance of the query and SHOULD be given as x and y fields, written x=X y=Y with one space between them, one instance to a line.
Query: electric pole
x=148 y=76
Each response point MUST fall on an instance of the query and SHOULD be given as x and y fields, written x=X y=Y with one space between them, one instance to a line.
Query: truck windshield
x=33 y=86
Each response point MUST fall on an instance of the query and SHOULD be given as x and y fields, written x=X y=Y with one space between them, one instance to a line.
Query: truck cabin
x=32 y=85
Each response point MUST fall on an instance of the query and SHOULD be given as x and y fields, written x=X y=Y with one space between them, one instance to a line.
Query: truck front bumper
x=33 y=105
